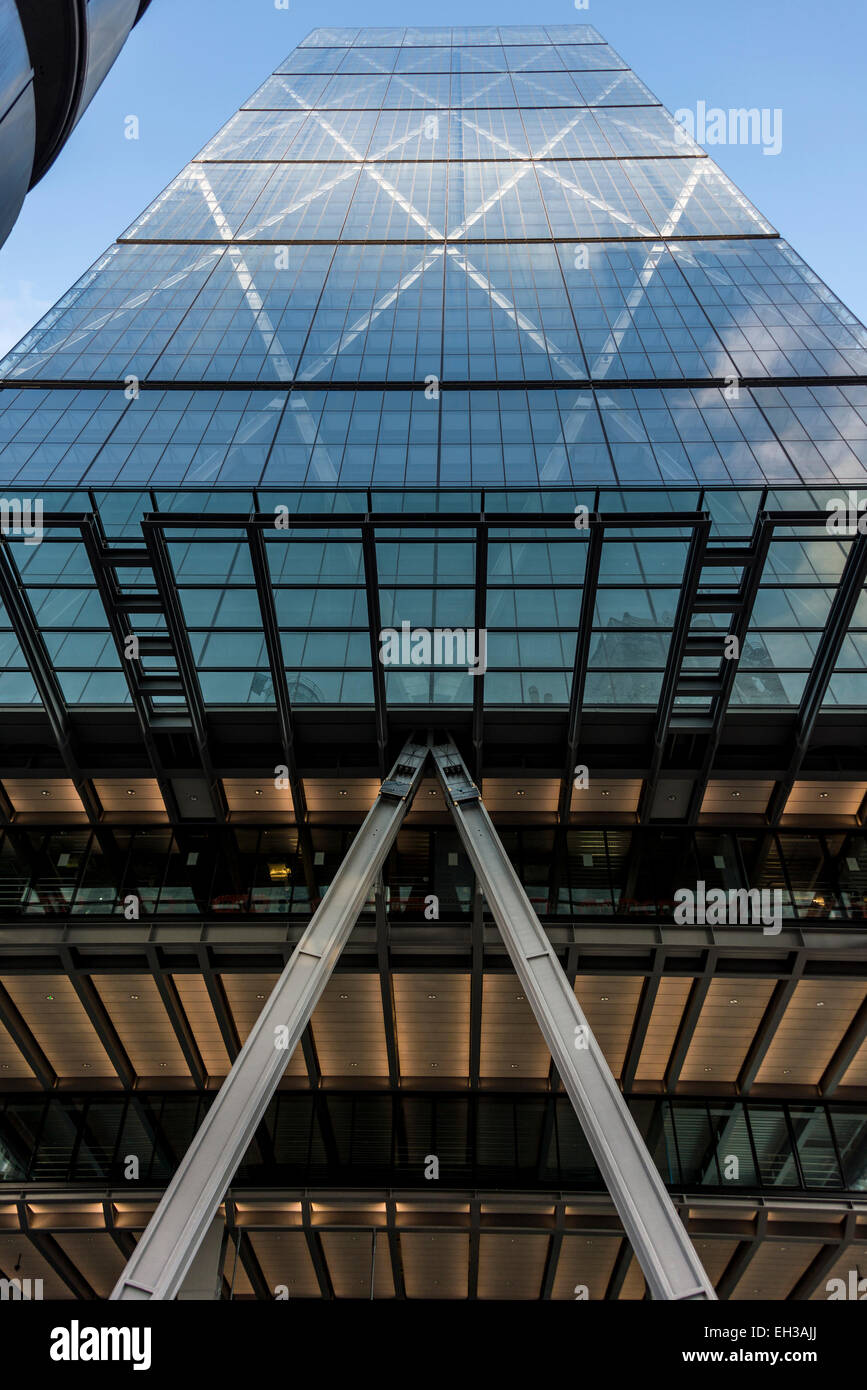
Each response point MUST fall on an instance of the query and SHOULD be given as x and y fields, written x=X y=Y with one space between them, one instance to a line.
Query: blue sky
x=190 y=64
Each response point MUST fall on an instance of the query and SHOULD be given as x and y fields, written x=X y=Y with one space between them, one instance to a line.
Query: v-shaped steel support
x=173 y=1235
x=657 y=1235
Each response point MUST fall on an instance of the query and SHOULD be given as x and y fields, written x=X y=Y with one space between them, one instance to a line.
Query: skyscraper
x=452 y=398
x=53 y=60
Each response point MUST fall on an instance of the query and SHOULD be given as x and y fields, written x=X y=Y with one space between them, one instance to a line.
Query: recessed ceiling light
x=343 y=996
x=605 y=793
x=787 y=1071
x=820 y=1003
x=672 y=796
x=708 y=1068
x=163 y=1065
x=734 y=1001
x=434 y=1064
x=133 y=996
x=431 y=996
x=353 y=1064
x=193 y=797
x=432 y=791
x=520 y=998
x=343 y=792
x=520 y=792
x=46 y=793
x=823 y=796
x=604 y=998
x=514 y=1066
x=85 y=1064
x=130 y=791
x=260 y=996
x=735 y=796
x=258 y=791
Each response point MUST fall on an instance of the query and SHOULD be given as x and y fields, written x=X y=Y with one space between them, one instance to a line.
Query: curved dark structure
x=54 y=55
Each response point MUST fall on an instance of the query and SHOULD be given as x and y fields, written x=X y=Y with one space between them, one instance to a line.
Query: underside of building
x=53 y=59
x=427 y=625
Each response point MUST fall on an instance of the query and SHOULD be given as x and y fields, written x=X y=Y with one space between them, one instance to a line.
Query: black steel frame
x=255 y=526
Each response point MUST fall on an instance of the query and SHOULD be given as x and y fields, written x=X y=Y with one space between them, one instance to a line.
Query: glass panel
x=819 y=1162
x=577 y=1166
x=850 y=1132
x=734 y=1155
x=811 y=875
x=773 y=1145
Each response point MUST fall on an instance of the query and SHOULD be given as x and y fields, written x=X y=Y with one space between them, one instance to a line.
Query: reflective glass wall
x=450 y=270
x=600 y=874
x=486 y=1140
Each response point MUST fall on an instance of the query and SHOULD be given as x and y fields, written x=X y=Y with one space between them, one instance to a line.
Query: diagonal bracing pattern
x=168 y=1247
x=508 y=214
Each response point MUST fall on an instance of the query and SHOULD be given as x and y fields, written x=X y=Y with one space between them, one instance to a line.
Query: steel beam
x=167 y=588
x=477 y=987
x=641 y=1023
x=374 y=627
x=123 y=1239
x=386 y=986
x=177 y=1015
x=274 y=647
x=619 y=1272
x=252 y=1268
x=316 y=1252
x=220 y=1004
x=173 y=1235
x=53 y=1253
x=552 y=1259
x=849 y=591
x=689 y=1021
x=28 y=634
x=16 y=1027
x=760 y=544
x=742 y=1258
x=106 y=944
x=819 y=1268
x=579 y=667
x=394 y=1248
x=311 y=1058
x=101 y=1022
x=850 y=1045
x=674 y=661
x=480 y=609
x=767 y=1029
x=204 y=1280
x=671 y=1266
x=103 y=563
x=475 y=1248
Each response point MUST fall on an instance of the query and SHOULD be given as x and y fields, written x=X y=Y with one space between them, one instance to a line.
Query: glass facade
x=447 y=331
x=607 y=875
x=452 y=271
x=488 y=1140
